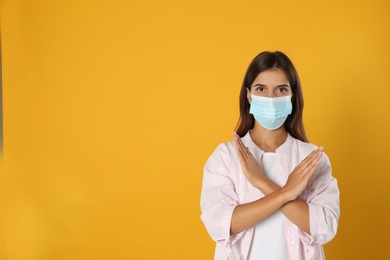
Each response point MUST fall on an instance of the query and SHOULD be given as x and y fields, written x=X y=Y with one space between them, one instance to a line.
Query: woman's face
x=270 y=83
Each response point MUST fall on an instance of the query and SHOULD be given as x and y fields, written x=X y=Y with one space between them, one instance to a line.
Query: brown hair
x=265 y=61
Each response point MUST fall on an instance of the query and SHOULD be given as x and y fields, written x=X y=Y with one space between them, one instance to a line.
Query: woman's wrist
x=287 y=194
x=265 y=185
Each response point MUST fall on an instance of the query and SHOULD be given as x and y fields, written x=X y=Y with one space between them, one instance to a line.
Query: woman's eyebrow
x=262 y=85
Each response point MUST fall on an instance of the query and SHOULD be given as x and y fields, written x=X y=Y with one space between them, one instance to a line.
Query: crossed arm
x=277 y=198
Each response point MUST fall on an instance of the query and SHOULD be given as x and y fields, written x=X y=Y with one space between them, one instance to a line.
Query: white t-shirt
x=269 y=239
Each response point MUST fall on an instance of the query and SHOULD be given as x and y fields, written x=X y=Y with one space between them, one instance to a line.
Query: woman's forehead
x=272 y=76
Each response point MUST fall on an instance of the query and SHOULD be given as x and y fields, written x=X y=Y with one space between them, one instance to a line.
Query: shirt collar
x=281 y=149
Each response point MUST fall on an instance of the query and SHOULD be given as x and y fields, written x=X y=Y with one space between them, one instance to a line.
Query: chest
x=274 y=167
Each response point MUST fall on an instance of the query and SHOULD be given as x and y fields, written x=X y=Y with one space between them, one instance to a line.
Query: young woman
x=270 y=194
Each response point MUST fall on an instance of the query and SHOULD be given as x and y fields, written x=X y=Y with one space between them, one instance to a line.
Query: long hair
x=265 y=61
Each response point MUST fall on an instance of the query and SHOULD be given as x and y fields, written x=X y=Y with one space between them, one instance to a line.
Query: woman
x=270 y=194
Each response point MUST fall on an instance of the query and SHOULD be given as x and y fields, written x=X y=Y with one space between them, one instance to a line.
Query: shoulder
x=303 y=148
x=224 y=150
x=304 y=145
x=222 y=160
x=307 y=147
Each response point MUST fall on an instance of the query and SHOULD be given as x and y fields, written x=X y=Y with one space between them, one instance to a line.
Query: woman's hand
x=250 y=167
x=298 y=179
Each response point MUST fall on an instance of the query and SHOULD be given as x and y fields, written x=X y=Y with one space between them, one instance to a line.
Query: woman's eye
x=260 y=89
x=282 y=90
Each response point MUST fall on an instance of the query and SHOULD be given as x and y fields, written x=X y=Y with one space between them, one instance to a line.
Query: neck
x=268 y=140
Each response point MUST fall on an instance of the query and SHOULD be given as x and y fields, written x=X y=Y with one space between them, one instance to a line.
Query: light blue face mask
x=271 y=113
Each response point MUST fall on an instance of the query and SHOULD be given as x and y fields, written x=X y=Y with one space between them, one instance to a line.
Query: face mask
x=271 y=113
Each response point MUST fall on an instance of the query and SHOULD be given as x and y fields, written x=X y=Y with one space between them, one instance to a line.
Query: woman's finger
x=313 y=157
x=239 y=142
x=241 y=146
x=241 y=156
x=305 y=166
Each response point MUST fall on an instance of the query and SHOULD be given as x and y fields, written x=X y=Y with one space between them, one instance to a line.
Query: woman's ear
x=248 y=95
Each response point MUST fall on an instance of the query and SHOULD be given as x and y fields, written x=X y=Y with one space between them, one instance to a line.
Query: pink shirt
x=225 y=187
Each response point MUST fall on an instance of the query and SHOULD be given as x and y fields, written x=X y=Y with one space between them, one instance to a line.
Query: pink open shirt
x=225 y=187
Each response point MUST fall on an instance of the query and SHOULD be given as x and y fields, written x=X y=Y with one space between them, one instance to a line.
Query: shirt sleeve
x=323 y=198
x=218 y=198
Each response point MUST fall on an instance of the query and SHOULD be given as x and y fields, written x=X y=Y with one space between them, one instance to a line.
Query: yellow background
x=111 y=109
